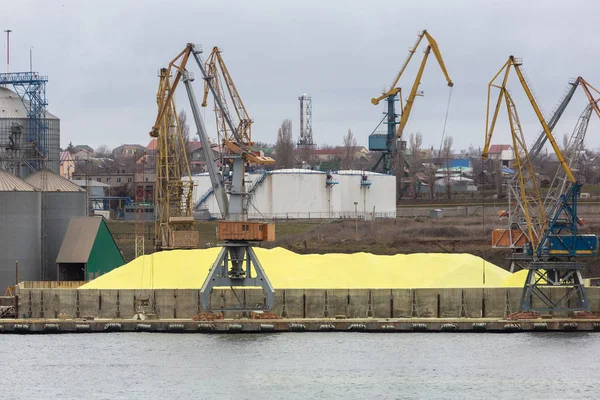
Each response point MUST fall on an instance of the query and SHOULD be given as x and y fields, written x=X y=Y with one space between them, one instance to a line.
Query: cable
x=446 y=118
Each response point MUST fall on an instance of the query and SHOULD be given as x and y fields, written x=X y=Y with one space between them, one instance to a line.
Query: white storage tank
x=20 y=230
x=374 y=193
x=294 y=193
x=302 y=193
x=61 y=200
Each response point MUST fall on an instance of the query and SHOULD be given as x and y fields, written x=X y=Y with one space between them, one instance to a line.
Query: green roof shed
x=88 y=250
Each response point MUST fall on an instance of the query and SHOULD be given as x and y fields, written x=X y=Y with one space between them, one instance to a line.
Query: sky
x=102 y=60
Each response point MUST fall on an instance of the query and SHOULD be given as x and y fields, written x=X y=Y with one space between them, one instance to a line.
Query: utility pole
x=8 y=31
x=356 y=220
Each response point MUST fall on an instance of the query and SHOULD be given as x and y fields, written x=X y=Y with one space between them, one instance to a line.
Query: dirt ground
x=384 y=236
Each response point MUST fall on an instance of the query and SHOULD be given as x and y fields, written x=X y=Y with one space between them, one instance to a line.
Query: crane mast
x=551 y=242
x=174 y=220
x=237 y=264
x=388 y=143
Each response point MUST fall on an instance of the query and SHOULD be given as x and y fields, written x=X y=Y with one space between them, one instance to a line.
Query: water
x=301 y=366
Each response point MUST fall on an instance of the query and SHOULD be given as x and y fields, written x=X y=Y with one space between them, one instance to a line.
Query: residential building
x=67 y=165
x=128 y=150
x=82 y=154
x=502 y=152
x=114 y=179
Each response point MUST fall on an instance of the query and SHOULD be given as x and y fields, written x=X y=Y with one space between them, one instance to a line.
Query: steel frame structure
x=31 y=89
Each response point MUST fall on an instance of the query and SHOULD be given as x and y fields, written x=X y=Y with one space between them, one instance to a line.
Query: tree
x=415 y=143
x=70 y=148
x=447 y=154
x=103 y=151
x=349 y=150
x=284 y=146
x=185 y=130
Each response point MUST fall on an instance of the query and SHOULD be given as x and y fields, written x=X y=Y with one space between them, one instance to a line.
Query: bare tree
x=431 y=174
x=349 y=149
x=284 y=146
x=185 y=129
x=446 y=154
x=415 y=143
x=103 y=151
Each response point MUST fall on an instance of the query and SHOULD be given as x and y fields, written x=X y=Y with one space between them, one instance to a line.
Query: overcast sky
x=102 y=60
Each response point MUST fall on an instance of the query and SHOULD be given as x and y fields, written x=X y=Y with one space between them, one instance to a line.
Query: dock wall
x=291 y=303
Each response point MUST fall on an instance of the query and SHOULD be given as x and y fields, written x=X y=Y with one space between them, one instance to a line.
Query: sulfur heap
x=187 y=269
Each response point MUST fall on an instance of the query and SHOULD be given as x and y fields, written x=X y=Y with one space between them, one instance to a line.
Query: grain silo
x=23 y=138
x=61 y=200
x=20 y=230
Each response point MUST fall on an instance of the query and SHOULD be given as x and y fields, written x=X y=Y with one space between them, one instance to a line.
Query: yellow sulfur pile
x=187 y=269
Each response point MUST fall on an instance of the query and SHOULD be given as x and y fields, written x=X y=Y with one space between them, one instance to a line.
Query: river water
x=301 y=366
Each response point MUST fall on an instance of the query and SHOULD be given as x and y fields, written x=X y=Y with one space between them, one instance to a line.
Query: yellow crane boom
x=436 y=52
x=236 y=139
x=512 y=62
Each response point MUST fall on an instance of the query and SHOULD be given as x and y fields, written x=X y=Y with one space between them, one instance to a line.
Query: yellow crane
x=552 y=238
x=387 y=143
x=174 y=220
x=237 y=264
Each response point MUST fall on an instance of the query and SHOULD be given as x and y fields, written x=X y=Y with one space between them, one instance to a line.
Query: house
x=337 y=153
x=88 y=250
x=503 y=153
x=82 y=154
x=128 y=150
x=67 y=165
x=82 y=147
x=114 y=179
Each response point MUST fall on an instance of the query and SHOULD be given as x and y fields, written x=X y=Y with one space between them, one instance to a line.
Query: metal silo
x=20 y=230
x=61 y=200
x=16 y=128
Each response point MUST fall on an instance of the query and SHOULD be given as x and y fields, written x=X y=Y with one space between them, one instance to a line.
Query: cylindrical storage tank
x=20 y=230
x=61 y=200
x=15 y=130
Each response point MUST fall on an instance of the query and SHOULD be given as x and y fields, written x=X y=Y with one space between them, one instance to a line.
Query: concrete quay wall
x=291 y=303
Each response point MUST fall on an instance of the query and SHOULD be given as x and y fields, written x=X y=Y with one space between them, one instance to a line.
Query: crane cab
x=245 y=231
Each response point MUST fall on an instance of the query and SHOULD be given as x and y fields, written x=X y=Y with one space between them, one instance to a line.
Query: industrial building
x=61 y=200
x=20 y=230
x=301 y=193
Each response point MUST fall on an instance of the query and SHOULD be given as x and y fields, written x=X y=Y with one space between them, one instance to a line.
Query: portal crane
x=237 y=264
x=174 y=220
x=388 y=143
x=552 y=239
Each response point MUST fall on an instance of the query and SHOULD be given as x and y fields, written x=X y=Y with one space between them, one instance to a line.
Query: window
x=107 y=180
x=98 y=179
x=118 y=180
x=245 y=228
x=128 y=180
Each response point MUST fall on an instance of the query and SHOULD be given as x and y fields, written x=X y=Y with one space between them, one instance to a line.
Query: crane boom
x=413 y=94
x=542 y=120
x=215 y=177
x=438 y=55
x=542 y=138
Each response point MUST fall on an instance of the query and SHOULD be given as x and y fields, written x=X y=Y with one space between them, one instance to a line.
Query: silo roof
x=11 y=106
x=47 y=181
x=10 y=183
